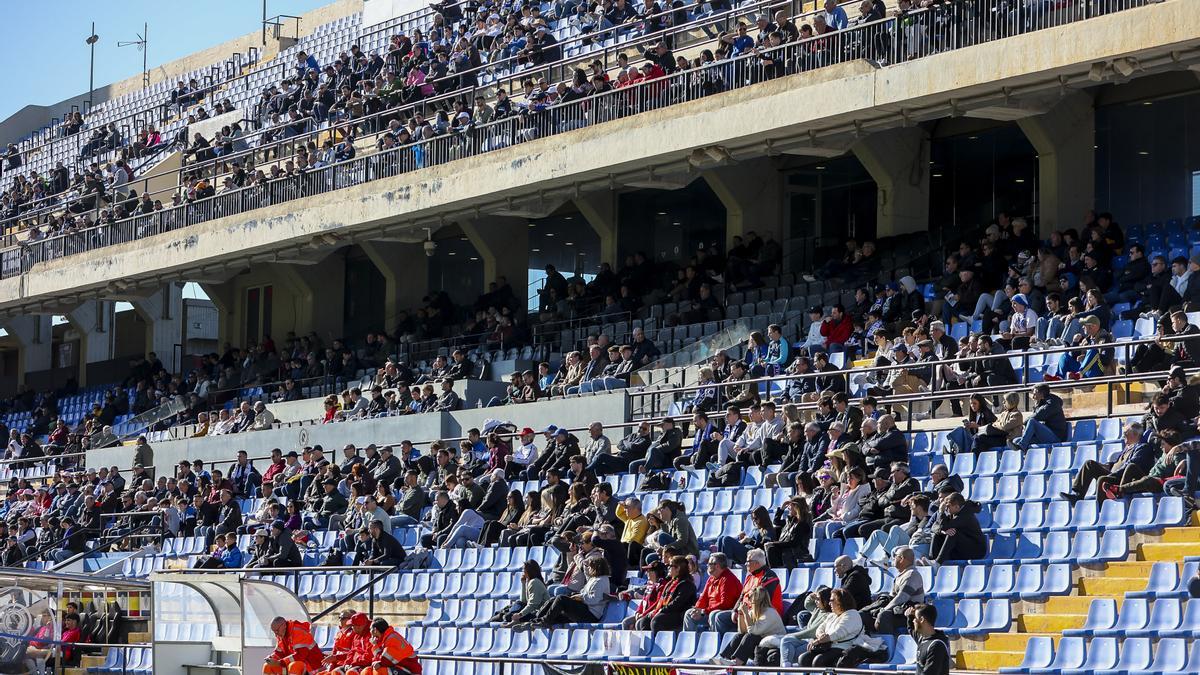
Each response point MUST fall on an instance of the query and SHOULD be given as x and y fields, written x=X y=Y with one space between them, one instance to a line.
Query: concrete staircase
x=1060 y=613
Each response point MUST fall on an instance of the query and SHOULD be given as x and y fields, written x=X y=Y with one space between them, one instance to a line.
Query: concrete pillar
x=753 y=195
x=33 y=335
x=224 y=298
x=600 y=211
x=163 y=314
x=1065 y=138
x=503 y=246
x=898 y=160
x=93 y=319
x=405 y=269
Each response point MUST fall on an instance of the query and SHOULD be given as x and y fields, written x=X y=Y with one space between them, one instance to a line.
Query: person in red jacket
x=296 y=652
x=721 y=592
x=393 y=654
x=758 y=575
x=352 y=648
x=836 y=328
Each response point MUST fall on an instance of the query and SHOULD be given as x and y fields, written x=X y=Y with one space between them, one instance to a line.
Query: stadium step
x=1180 y=535
x=1073 y=604
x=1110 y=585
x=1013 y=642
x=1050 y=623
x=989 y=660
x=136 y=638
x=1167 y=551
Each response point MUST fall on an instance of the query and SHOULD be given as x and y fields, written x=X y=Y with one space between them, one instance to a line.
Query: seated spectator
x=1134 y=462
x=649 y=594
x=1048 y=424
x=791 y=547
x=916 y=533
x=845 y=505
x=885 y=615
x=758 y=621
x=758 y=575
x=532 y=599
x=840 y=641
x=736 y=547
x=957 y=535
x=1170 y=463
x=979 y=417
x=1092 y=359
x=785 y=650
x=676 y=598
x=587 y=606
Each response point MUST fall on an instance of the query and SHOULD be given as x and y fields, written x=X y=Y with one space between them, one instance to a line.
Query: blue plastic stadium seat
x=1171 y=656
x=1101 y=616
x=1039 y=655
x=1164 y=579
x=1101 y=657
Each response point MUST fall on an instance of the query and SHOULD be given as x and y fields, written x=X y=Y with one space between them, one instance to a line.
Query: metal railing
x=891 y=40
x=936 y=391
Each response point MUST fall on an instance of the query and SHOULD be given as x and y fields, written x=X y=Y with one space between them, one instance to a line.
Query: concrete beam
x=94 y=321
x=503 y=246
x=823 y=101
x=1065 y=139
x=405 y=270
x=163 y=313
x=752 y=193
x=599 y=209
x=898 y=160
x=33 y=335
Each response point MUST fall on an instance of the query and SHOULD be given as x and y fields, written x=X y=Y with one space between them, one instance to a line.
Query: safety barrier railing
x=1027 y=357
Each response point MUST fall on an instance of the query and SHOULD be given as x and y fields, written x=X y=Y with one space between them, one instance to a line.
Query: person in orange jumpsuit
x=296 y=652
x=352 y=648
x=393 y=654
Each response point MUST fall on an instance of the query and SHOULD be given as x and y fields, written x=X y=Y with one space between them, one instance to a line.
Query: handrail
x=40 y=460
x=350 y=597
x=426 y=103
x=914 y=365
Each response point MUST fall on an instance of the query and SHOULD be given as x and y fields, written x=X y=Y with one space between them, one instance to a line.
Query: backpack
x=654 y=482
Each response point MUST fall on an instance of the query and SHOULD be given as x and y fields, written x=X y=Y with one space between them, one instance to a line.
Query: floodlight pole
x=91 y=40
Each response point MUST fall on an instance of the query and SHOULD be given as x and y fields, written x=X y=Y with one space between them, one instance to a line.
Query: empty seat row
x=1107 y=655
x=1139 y=617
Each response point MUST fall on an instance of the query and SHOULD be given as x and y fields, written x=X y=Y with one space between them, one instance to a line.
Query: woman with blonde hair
x=761 y=621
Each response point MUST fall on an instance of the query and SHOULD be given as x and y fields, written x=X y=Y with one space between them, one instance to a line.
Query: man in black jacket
x=1130 y=279
x=628 y=449
x=282 y=551
x=229 y=519
x=663 y=450
x=854 y=579
x=73 y=541
x=1048 y=424
x=442 y=519
x=958 y=536
x=933 y=647
x=495 y=497
x=384 y=550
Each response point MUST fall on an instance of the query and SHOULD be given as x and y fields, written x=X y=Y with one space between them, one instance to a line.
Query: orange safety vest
x=395 y=652
x=299 y=644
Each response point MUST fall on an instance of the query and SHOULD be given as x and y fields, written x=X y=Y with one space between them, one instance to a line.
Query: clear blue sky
x=46 y=59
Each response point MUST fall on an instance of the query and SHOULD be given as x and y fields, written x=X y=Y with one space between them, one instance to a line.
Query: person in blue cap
x=1022 y=324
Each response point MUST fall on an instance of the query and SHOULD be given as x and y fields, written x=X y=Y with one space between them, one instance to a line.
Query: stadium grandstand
x=636 y=337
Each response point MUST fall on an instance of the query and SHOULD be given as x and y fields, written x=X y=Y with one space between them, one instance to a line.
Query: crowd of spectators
x=378 y=93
